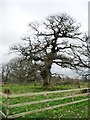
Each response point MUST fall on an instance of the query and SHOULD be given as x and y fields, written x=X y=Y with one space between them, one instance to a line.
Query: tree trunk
x=46 y=82
x=46 y=75
x=45 y=71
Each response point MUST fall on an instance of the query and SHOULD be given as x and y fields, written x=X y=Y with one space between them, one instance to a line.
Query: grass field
x=25 y=88
x=79 y=110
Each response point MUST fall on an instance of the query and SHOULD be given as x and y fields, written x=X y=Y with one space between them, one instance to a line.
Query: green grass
x=25 y=88
x=79 y=110
x=72 y=111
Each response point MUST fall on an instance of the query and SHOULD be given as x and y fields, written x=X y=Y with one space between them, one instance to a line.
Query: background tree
x=19 y=70
x=5 y=72
x=50 y=42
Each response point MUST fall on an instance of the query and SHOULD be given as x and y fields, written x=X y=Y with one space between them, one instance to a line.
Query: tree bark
x=46 y=74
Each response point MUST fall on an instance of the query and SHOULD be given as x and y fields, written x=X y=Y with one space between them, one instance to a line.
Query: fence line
x=3 y=114
x=47 y=100
x=1 y=103
x=5 y=95
x=42 y=93
x=47 y=108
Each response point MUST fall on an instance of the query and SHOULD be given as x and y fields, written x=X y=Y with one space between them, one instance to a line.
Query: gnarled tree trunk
x=46 y=74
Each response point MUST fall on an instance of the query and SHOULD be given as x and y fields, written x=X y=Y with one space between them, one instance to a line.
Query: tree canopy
x=57 y=40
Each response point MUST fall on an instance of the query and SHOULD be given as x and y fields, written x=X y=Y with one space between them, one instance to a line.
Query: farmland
x=78 y=110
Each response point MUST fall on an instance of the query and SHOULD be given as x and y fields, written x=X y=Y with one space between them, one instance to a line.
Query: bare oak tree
x=51 y=42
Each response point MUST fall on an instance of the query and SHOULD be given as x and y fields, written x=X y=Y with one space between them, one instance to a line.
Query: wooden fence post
x=47 y=103
x=88 y=91
x=7 y=106
x=72 y=94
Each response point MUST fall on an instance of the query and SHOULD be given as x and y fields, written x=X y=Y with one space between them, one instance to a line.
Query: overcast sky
x=16 y=14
